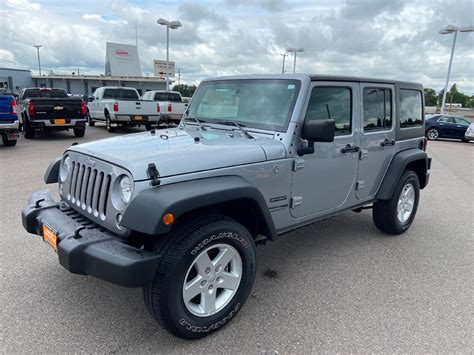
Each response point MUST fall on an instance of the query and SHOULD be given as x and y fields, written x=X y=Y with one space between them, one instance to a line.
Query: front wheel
x=432 y=134
x=395 y=216
x=204 y=278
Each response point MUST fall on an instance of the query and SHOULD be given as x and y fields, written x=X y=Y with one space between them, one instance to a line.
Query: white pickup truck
x=171 y=104
x=121 y=106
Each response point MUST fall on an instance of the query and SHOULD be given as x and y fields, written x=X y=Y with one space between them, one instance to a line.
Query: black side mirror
x=90 y=98
x=315 y=130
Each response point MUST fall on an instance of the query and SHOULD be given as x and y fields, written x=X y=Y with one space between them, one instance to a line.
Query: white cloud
x=395 y=39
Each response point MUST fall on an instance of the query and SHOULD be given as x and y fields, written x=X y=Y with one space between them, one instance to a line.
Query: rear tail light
x=157 y=107
x=115 y=106
x=83 y=108
x=31 y=109
x=13 y=104
x=169 y=108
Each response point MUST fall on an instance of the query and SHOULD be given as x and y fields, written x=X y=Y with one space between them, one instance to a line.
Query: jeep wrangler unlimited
x=179 y=211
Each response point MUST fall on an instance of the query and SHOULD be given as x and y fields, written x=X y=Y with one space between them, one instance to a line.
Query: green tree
x=185 y=90
x=430 y=97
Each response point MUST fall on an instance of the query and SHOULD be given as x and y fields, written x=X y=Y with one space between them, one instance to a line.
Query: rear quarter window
x=411 y=108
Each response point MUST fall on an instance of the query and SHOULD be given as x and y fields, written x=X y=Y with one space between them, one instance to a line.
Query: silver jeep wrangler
x=179 y=211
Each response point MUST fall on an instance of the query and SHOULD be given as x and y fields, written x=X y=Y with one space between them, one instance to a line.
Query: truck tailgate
x=140 y=107
x=57 y=108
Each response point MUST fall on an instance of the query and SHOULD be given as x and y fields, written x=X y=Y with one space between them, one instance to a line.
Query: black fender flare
x=416 y=158
x=145 y=211
x=51 y=175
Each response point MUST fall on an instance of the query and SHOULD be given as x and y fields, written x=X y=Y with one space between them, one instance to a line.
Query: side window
x=332 y=103
x=411 y=110
x=461 y=121
x=377 y=109
x=446 y=119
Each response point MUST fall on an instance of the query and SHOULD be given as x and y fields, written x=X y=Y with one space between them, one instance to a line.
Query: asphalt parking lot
x=336 y=286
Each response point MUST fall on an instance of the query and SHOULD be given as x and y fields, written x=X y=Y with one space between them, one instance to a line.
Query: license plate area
x=139 y=118
x=50 y=236
x=12 y=136
x=59 y=121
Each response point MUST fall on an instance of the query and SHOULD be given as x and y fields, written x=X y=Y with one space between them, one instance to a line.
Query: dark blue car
x=445 y=126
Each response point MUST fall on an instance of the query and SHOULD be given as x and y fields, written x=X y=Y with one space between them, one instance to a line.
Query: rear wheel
x=395 y=216
x=79 y=132
x=29 y=132
x=108 y=123
x=90 y=121
x=204 y=277
x=432 y=134
x=8 y=142
x=148 y=126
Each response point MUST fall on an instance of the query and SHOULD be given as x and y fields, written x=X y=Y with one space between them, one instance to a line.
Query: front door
x=377 y=137
x=324 y=180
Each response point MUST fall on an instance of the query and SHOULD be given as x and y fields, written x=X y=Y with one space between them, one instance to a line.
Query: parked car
x=469 y=135
x=51 y=109
x=171 y=103
x=121 y=106
x=446 y=126
x=179 y=213
x=9 y=122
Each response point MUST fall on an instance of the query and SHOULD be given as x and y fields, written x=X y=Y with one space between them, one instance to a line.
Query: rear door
x=323 y=181
x=377 y=137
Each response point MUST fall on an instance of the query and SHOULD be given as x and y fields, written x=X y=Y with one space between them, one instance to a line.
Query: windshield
x=45 y=93
x=120 y=94
x=258 y=103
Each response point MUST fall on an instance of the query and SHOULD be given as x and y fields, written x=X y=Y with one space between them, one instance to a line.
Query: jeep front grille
x=89 y=189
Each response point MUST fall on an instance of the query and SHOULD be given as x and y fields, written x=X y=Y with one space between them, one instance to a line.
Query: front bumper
x=87 y=249
x=469 y=137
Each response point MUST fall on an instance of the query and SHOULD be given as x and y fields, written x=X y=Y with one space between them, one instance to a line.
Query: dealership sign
x=160 y=68
x=122 y=60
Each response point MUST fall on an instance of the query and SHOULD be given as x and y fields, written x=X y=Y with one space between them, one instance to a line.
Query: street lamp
x=37 y=46
x=444 y=31
x=173 y=25
x=294 y=50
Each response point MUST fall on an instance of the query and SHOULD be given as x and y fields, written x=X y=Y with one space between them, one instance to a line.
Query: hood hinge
x=153 y=174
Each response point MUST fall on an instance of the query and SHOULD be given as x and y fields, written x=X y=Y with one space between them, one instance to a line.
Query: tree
x=430 y=97
x=185 y=90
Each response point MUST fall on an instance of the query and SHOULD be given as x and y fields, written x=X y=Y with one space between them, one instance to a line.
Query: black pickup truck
x=51 y=109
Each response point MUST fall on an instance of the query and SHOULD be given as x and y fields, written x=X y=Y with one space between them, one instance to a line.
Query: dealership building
x=122 y=68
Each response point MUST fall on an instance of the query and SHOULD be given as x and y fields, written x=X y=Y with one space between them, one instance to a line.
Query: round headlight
x=64 y=168
x=125 y=189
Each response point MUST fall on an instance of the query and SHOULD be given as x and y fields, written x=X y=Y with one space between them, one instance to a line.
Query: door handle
x=386 y=142
x=349 y=149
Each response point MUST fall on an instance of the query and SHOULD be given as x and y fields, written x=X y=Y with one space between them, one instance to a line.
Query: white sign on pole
x=160 y=69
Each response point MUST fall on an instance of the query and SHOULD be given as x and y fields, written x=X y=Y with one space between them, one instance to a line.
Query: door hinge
x=298 y=164
x=363 y=153
x=360 y=185
x=296 y=201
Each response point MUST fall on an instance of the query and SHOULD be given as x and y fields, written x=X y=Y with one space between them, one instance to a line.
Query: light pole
x=283 y=65
x=37 y=46
x=444 y=31
x=294 y=50
x=173 y=25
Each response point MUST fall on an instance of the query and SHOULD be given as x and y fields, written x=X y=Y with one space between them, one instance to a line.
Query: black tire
x=148 y=126
x=164 y=297
x=465 y=140
x=432 y=134
x=108 y=123
x=8 y=142
x=90 y=121
x=29 y=133
x=384 y=212
x=79 y=132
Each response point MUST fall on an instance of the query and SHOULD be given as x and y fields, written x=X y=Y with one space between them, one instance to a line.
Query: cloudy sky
x=380 y=38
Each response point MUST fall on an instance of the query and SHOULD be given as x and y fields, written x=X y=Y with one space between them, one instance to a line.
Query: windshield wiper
x=198 y=121
x=239 y=126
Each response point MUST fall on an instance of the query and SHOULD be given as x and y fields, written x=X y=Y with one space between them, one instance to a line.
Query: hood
x=175 y=151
